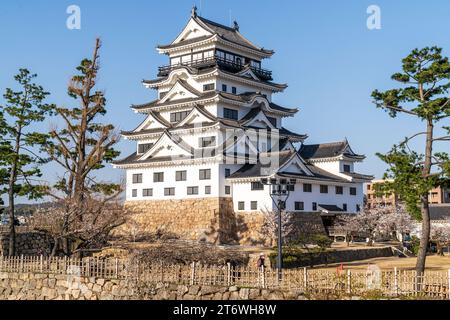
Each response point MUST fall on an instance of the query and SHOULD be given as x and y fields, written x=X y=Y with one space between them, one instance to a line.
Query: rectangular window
x=147 y=193
x=196 y=57
x=254 y=205
x=192 y=191
x=230 y=114
x=273 y=121
x=358 y=208
x=257 y=186
x=346 y=168
x=227 y=173
x=224 y=88
x=344 y=207
x=323 y=188
x=134 y=193
x=299 y=206
x=158 y=177
x=353 y=191
x=169 y=192
x=144 y=147
x=233 y=90
x=208 y=87
x=227 y=190
x=207 y=189
x=186 y=59
x=339 y=190
x=206 y=142
x=241 y=205
x=178 y=116
x=181 y=176
x=314 y=206
x=137 y=178
x=291 y=187
x=307 y=187
x=205 y=174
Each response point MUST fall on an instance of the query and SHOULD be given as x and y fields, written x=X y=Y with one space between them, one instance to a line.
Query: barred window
x=257 y=186
x=147 y=193
x=230 y=114
x=353 y=191
x=134 y=193
x=339 y=190
x=192 y=191
x=180 y=176
x=178 y=116
x=205 y=174
x=158 y=177
x=307 y=187
x=241 y=205
x=254 y=205
x=169 y=191
x=207 y=189
x=323 y=188
x=208 y=87
x=299 y=206
x=137 y=178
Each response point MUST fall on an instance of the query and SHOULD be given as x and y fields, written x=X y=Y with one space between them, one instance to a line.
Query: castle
x=214 y=133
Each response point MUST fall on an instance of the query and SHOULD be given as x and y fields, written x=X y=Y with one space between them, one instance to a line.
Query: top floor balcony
x=222 y=63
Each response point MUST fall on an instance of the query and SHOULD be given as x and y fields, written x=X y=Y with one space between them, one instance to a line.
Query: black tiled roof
x=326 y=150
x=359 y=176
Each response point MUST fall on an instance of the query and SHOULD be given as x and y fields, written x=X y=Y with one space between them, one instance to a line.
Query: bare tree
x=81 y=147
x=100 y=217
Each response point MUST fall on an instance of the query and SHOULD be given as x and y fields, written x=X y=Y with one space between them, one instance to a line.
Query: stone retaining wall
x=35 y=286
x=28 y=244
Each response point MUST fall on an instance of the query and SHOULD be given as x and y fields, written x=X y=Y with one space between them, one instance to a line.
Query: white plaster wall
x=243 y=192
x=169 y=182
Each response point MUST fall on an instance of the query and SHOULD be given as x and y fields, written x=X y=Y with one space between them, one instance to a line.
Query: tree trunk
x=425 y=210
x=11 y=184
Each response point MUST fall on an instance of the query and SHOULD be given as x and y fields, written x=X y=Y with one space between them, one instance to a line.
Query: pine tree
x=426 y=81
x=20 y=146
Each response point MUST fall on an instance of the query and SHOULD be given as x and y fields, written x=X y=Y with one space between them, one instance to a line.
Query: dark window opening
x=353 y=191
x=314 y=206
x=205 y=174
x=339 y=190
x=206 y=142
x=208 y=87
x=181 y=175
x=307 y=187
x=230 y=114
x=254 y=205
x=241 y=205
x=299 y=206
x=192 y=191
x=147 y=193
x=323 y=189
x=347 y=168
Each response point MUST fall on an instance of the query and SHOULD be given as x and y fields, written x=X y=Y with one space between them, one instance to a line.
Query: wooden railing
x=393 y=283
x=265 y=74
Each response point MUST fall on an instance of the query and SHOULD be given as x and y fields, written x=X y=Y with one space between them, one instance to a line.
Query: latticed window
x=137 y=178
x=147 y=193
x=181 y=175
x=169 y=191
x=178 y=116
x=230 y=114
x=205 y=174
x=158 y=177
x=192 y=190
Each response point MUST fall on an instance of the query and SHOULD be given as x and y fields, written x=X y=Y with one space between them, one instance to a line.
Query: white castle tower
x=214 y=133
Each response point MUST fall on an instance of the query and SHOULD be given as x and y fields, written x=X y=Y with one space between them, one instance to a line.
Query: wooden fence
x=433 y=284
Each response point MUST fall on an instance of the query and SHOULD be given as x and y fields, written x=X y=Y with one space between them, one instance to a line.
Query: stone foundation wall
x=192 y=219
x=28 y=244
x=206 y=219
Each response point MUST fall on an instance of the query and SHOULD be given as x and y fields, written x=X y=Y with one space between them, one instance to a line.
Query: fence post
x=88 y=266
x=21 y=269
x=448 y=284
x=42 y=263
x=116 y=267
x=192 y=273
x=263 y=276
x=396 y=281
x=349 y=282
x=228 y=274
x=305 y=279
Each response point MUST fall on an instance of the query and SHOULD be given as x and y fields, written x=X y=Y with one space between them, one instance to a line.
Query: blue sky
x=324 y=51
